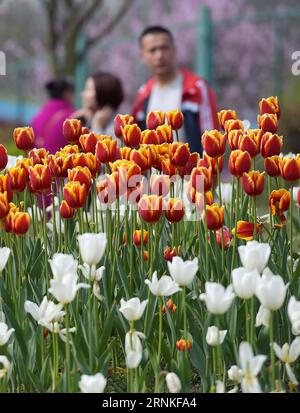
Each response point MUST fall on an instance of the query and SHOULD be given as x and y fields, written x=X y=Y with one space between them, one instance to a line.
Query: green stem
x=235 y=225
x=272 y=354
x=291 y=232
x=157 y=373
x=68 y=349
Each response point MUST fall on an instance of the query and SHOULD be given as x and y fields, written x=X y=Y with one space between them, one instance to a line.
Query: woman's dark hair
x=109 y=90
x=58 y=86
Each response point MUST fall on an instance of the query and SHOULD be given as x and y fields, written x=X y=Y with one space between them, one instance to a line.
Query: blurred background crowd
x=243 y=48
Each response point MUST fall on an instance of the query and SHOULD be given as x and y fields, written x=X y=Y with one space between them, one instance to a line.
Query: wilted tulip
x=268 y=122
x=279 y=201
x=271 y=144
x=72 y=130
x=3 y=157
x=170 y=254
x=175 y=119
x=214 y=143
x=24 y=138
x=239 y=162
x=253 y=182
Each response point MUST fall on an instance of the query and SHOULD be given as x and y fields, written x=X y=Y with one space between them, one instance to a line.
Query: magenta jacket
x=47 y=124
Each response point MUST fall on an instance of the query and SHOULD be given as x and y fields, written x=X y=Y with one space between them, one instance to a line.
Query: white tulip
x=217 y=298
x=294 y=315
x=91 y=273
x=173 y=383
x=165 y=286
x=262 y=317
x=235 y=374
x=56 y=328
x=255 y=255
x=92 y=247
x=12 y=161
x=270 y=290
x=251 y=366
x=92 y=384
x=65 y=290
x=183 y=272
x=133 y=349
x=288 y=354
x=226 y=191
x=220 y=388
x=46 y=313
x=4 y=255
x=63 y=264
x=133 y=309
x=214 y=336
x=6 y=366
x=244 y=282
x=5 y=333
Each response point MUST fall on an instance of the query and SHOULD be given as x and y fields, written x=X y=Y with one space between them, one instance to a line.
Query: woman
x=101 y=97
x=47 y=123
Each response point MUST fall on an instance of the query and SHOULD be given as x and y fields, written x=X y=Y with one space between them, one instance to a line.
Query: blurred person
x=173 y=88
x=47 y=123
x=101 y=97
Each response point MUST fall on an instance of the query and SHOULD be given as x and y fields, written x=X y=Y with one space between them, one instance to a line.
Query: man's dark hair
x=155 y=30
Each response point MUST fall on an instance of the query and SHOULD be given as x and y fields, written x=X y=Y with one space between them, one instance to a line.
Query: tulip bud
x=4 y=205
x=290 y=168
x=227 y=237
x=183 y=345
x=88 y=142
x=174 y=210
x=214 y=216
x=214 y=143
x=3 y=157
x=164 y=134
x=272 y=165
x=179 y=153
x=150 y=208
x=270 y=145
x=38 y=155
x=24 y=138
x=175 y=119
x=171 y=306
x=21 y=223
x=253 y=182
x=65 y=210
x=137 y=237
x=233 y=124
x=173 y=383
x=72 y=130
x=145 y=255
x=269 y=105
x=149 y=137
x=155 y=119
x=225 y=115
x=169 y=255
x=81 y=174
x=107 y=151
x=245 y=230
x=120 y=121
x=131 y=135
x=75 y=194
x=40 y=178
x=159 y=185
x=239 y=162
x=17 y=177
x=268 y=122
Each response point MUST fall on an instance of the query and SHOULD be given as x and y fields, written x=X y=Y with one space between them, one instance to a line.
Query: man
x=173 y=88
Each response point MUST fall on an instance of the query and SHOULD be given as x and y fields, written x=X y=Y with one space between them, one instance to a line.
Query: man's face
x=158 y=53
